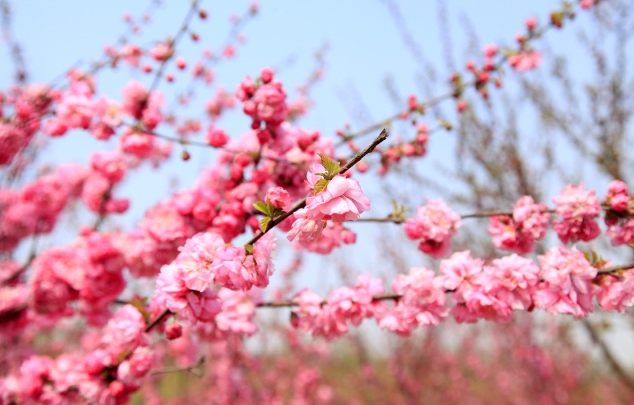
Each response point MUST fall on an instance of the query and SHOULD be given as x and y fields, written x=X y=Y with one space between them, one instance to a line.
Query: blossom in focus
x=434 y=225
x=578 y=210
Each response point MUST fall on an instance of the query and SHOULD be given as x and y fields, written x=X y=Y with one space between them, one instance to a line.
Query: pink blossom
x=331 y=236
x=139 y=144
x=236 y=316
x=578 y=210
x=619 y=217
x=132 y=370
x=194 y=306
x=306 y=227
x=519 y=232
x=110 y=164
x=615 y=292
x=13 y=314
x=473 y=290
x=75 y=110
x=279 y=198
x=422 y=302
x=434 y=225
x=163 y=223
x=512 y=279
x=162 y=52
x=265 y=103
x=567 y=282
x=131 y=54
x=263 y=260
x=173 y=331
x=216 y=137
x=57 y=278
x=125 y=331
x=458 y=269
x=342 y=200
x=196 y=258
x=524 y=60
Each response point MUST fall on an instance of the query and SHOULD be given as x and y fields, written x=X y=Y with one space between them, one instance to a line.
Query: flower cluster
x=566 y=283
x=341 y=200
x=344 y=305
x=620 y=217
x=519 y=232
x=578 y=210
x=106 y=374
x=189 y=285
x=434 y=225
x=265 y=102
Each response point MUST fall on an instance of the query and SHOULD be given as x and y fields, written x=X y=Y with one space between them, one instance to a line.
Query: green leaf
x=263 y=208
x=331 y=166
x=320 y=185
x=264 y=223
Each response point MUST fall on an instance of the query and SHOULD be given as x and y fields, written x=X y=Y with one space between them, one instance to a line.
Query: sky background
x=367 y=44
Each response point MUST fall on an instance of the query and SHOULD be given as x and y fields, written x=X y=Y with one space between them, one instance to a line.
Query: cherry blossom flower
x=567 y=283
x=434 y=225
x=578 y=210
x=519 y=232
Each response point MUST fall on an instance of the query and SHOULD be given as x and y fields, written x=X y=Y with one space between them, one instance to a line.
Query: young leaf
x=264 y=223
x=332 y=167
x=263 y=208
x=320 y=185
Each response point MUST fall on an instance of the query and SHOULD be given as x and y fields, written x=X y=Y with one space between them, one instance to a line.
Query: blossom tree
x=176 y=292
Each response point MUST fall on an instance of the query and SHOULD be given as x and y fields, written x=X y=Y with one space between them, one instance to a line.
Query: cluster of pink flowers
x=265 y=102
x=341 y=200
x=566 y=284
x=615 y=292
x=524 y=60
x=519 y=232
x=434 y=225
x=422 y=302
x=578 y=210
x=189 y=285
x=107 y=374
x=30 y=104
x=620 y=217
x=344 y=305
x=414 y=148
x=36 y=208
x=89 y=271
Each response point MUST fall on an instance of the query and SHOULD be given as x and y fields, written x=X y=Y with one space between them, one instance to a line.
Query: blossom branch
x=395 y=296
x=356 y=159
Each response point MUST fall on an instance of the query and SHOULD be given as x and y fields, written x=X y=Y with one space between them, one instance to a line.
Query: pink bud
x=181 y=63
x=267 y=75
x=173 y=331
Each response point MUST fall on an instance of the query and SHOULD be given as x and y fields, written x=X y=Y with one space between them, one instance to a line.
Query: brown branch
x=166 y=312
x=196 y=369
